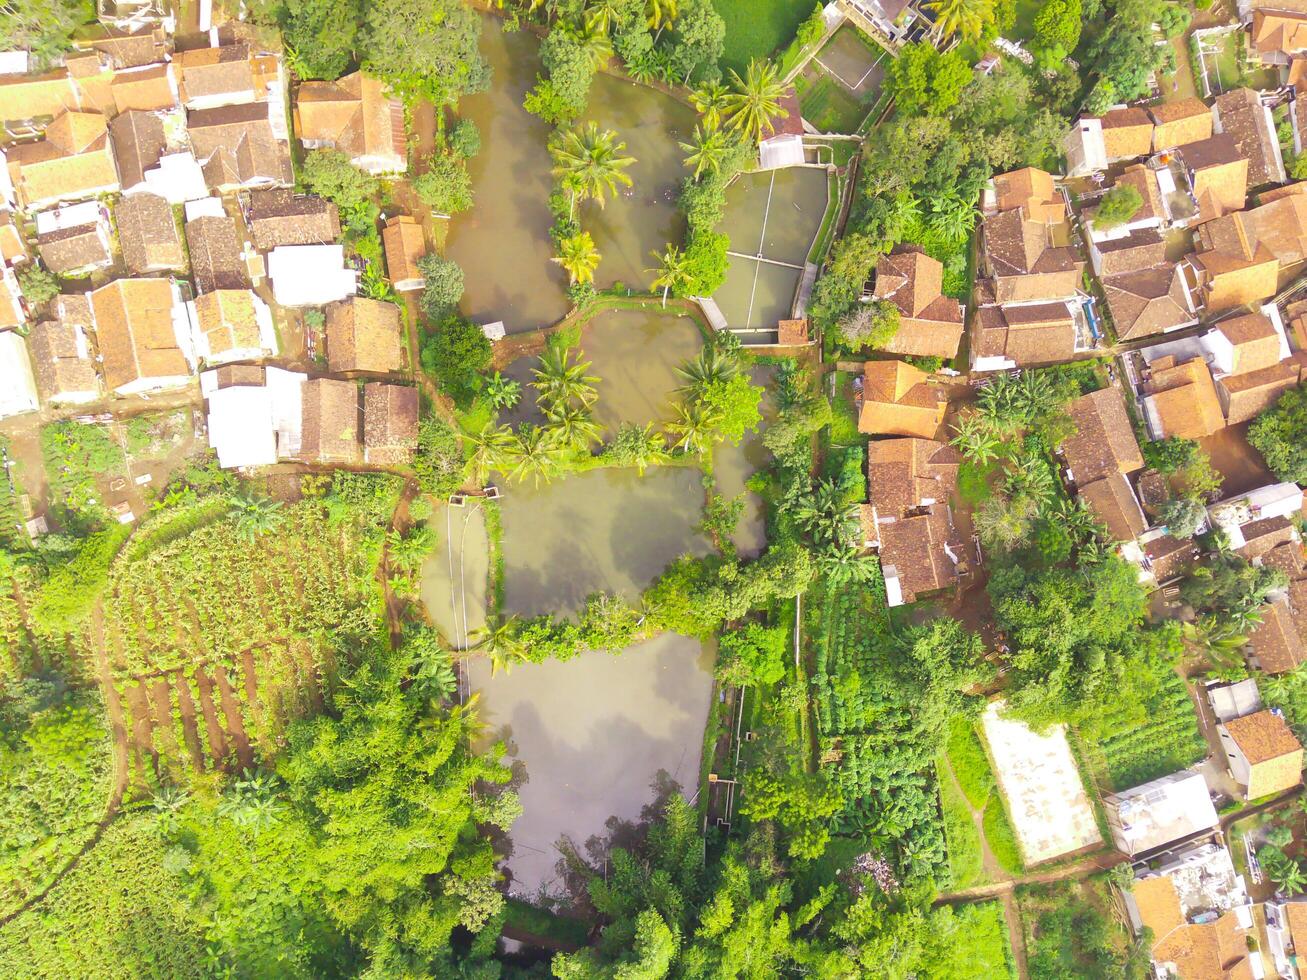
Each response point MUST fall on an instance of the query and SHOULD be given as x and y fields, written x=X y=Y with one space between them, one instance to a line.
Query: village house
x=256 y=414
x=1263 y=755
x=1095 y=142
x=154 y=156
x=147 y=235
x=73 y=161
x=13 y=312
x=365 y=336
x=330 y=432
x=357 y=116
x=1198 y=909
x=1260 y=520
x=17 y=382
x=1160 y=814
x=1099 y=459
x=61 y=354
x=1276 y=643
x=1179 y=123
x=390 y=424
x=280 y=217
x=908 y=520
x=1275 y=37
x=404 y=244
x=1217 y=175
x=1240 y=113
x=215 y=252
x=232 y=325
x=150 y=88
x=76 y=239
x=310 y=275
x=897 y=399
x=238 y=147
x=930 y=323
x=216 y=76
x=143 y=334
x=137 y=47
x=28 y=103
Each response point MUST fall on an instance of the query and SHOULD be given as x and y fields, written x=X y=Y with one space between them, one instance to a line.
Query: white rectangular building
x=1165 y=811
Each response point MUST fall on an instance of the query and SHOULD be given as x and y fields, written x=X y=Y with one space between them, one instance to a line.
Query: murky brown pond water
x=593 y=735
x=503 y=243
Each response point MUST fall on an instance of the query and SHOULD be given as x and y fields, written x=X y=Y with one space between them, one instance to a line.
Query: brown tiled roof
x=73 y=161
x=138 y=143
x=1263 y=535
x=1255 y=340
x=1275 y=641
x=129 y=49
x=1142 y=249
x=12 y=247
x=331 y=422
x=1288 y=558
x=1180 y=122
x=364 y=335
x=237 y=146
x=147 y=234
x=902 y=473
x=1184 y=398
x=215 y=254
x=1110 y=500
x=1207 y=951
x=134 y=331
x=1032 y=189
x=71 y=249
x=899 y=400
x=1229 y=280
x=61 y=357
x=405 y=244
x=1220 y=175
x=1146 y=301
x=914 y=548
x=1240 y=114
x=390 y=423
x=1039 y=333
x=1159 y=905
x=149 y=88
x=1027 y=266
x=1262 y=736
x=1170 y=557
x=1277 y=31
x=1104 y=440
x=280 y=217
x=1281 y=225
x=232 y=375
x=1127 y=133
x=1248 y=395
x=930 y=323
x=34 y=96
x=354 y=114
x=227 y=319
x=215 y=72
x=1296 y=914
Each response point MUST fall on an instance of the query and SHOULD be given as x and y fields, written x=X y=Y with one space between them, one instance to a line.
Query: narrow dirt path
x=1011 y=914
x=1081 y=869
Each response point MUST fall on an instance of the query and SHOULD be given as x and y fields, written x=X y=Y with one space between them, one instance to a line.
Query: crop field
x=1131 y=746
x=217 y=640
x=758 y=28
x=866 y=731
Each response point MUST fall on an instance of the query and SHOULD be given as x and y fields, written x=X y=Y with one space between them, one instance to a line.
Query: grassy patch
x=953 y=253
x=982 y=940
x=973 y=482
x=966 y=864
x=1002 y=842
x=539 y=922
x=844 y=419
x=758 y=28
x=826 y=103
x=1071 y=930
x=969 y=762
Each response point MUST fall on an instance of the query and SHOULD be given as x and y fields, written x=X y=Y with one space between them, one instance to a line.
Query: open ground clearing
x=594 y=735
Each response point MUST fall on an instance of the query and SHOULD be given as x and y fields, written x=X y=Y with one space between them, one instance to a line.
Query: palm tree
x=503 y=392
x=756 y=100
x=603 y=14
x=589 y=163
x=574 y=425
x=707 y=151
x=559 y=380
x=1222 y=643
x=257 y=516
x=488 y=449
x=965 y=17
x=433 y=674
x=951 y=217
x=1289 y=877
x=709 y=367
x=535 y=453
x=975 y=439
x=578 y=256
x=672 y=275
x=711 y=102
x=693 y=427
x=408 y=551
x=594 y=42
x=848 y=566
x=501 y=645
x=660 y=13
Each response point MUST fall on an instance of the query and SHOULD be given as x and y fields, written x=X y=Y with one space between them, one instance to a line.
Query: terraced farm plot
x=1131 y=746
x=216 y=641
